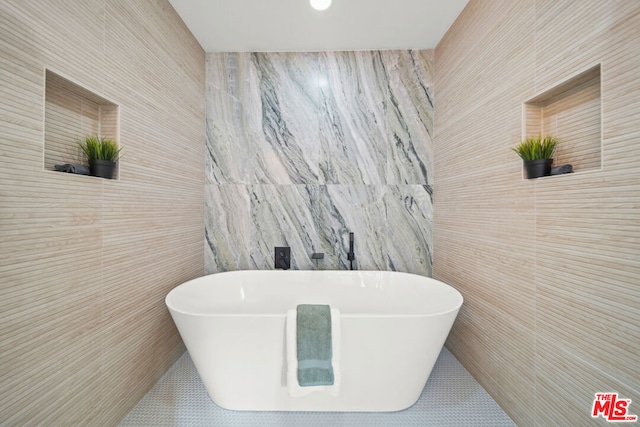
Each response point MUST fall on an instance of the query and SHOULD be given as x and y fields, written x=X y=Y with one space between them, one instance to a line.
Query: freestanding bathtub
x=393 y=326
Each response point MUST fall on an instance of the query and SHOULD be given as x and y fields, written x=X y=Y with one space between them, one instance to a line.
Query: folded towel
x=307 y=379
x=69 y=168
x=562 y=169
x=313 y=339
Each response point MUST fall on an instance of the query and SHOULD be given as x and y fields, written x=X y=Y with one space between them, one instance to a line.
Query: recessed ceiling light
x=320 y=4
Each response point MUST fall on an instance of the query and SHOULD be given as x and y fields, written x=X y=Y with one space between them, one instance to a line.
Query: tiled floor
x=451 y=398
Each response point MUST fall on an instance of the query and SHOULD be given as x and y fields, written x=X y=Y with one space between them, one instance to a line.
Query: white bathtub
x=393 y=327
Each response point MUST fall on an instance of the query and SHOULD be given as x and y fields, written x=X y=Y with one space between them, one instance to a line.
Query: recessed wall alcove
x=571 y=111
x=71 y=112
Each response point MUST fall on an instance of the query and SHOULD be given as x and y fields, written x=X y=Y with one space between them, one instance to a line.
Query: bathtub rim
x=455 y=308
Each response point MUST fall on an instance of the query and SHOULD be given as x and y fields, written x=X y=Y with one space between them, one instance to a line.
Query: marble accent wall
x=303 y=148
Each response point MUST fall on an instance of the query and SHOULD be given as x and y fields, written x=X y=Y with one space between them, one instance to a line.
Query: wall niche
x=71 y=112
x=571 y=111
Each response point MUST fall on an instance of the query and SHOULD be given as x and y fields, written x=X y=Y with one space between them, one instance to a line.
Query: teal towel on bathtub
x=313 y=340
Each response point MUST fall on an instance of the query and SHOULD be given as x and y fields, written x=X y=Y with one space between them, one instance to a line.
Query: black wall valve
x=282 y=257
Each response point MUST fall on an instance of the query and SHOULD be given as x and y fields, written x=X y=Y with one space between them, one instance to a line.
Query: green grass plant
x=534 y=148
x=100 y=148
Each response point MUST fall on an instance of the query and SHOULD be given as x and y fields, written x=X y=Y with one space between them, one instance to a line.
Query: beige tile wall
x=549 y=268
x=85 y=263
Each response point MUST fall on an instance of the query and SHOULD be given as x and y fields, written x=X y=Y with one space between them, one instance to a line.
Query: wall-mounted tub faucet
x=282 y=257
x=317 y=256
x=351 y=256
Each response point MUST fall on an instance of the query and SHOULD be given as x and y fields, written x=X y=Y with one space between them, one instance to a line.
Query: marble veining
x=359 y=209
x=284 y=215
x=353 y=124
x=227 y=228
x=289 y=118
x=409 y=228
x=303 y=148
x=410 y=117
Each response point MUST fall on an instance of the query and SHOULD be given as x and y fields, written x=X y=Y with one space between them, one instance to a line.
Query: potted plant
x=103 y=153
x=537 y=155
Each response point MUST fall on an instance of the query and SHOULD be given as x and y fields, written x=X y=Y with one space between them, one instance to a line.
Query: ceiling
x=293 y=26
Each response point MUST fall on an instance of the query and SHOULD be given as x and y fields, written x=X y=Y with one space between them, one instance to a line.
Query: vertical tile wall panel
x=159 y=208
x=571 y=248
x=85 y=263
x=307 y=147
x=481 y=204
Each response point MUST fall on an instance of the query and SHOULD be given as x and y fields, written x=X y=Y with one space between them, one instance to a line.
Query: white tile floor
x=451 y=398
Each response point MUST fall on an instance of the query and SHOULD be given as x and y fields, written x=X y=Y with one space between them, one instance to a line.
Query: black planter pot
x=537 y=168
x=102 y=168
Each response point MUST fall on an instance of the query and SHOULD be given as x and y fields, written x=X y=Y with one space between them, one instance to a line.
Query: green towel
x=313 y=337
